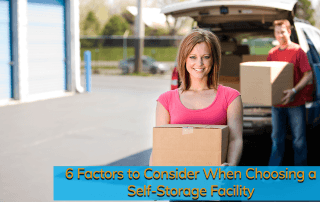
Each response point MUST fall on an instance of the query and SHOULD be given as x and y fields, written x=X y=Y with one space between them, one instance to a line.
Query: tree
x=128 y=16
x=316 y=15
x=120 y=6
x=177 y=24
x=116 y=25
x=91 y=24
x=98 y=7
x=305 y=11
x=149 y=31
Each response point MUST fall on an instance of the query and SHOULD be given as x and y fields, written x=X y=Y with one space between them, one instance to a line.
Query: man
x=292 y=112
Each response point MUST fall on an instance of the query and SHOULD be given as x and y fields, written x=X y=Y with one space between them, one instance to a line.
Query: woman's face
x=199 y=61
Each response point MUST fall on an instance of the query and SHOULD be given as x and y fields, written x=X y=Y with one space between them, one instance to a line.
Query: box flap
x=217 y=126
x=191 y=125
x=265 y=64
x=181 y=126
x=284 y=71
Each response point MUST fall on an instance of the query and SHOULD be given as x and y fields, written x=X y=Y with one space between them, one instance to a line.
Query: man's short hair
x=282 y=22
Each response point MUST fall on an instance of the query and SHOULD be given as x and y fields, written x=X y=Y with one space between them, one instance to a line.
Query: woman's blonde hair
x=186 y=46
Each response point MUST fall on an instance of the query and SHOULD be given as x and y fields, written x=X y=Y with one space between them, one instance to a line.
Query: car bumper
x=256 y=125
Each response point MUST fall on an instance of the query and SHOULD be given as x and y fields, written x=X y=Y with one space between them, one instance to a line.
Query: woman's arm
x=162 y=118
x=235 y=119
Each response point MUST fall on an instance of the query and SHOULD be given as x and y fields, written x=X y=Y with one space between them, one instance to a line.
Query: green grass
x=116 y=53
x=261 y=50
x=260 y=47
x=158 y=53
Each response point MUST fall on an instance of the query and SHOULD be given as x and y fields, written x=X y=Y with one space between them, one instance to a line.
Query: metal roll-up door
x=46 y=46
x=5 y=51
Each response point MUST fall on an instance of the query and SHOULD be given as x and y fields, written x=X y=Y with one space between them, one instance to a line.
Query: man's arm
x=307 y=77
x=289 y=94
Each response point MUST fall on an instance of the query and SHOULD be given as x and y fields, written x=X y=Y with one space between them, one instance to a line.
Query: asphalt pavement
x=115 y=63
x=112 y=125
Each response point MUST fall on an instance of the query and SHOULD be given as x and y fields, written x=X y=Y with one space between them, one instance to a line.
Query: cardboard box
x=189 y=145
x=230 y=65
x=230 y=81
x=228 y=46
x=263 y=83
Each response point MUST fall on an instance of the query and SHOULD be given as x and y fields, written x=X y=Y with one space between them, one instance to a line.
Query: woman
x=200 y=100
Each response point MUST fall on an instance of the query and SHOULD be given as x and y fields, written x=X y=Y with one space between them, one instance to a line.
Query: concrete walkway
x=110 y=126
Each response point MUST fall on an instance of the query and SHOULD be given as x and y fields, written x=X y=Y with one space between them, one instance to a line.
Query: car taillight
x=174 y=79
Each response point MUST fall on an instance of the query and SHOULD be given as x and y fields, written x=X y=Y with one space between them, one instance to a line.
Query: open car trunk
x=233 y=15
x=232 y=21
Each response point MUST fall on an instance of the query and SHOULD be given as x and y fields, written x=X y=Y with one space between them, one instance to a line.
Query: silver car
x=149 y=65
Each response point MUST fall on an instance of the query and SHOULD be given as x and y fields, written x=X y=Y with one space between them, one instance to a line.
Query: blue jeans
x=295 y=118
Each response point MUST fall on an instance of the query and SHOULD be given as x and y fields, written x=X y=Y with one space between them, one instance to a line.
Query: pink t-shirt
x=215 y=114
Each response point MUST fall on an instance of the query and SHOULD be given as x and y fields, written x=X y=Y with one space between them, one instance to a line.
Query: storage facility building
x=40 y=50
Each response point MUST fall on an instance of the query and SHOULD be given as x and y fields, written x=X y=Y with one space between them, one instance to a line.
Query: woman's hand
x=150 y=160
x=227 y=164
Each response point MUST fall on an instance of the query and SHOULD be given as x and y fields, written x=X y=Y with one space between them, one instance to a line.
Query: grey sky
x=314 y=3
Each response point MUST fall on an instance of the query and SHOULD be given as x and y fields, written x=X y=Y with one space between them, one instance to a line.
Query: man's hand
x=288 y=96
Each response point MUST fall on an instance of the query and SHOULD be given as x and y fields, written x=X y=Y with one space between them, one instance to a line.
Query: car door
x=311 y=39
x=131 y=64
x=145 y=65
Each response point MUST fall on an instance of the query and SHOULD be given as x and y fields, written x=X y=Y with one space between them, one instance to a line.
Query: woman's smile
x=199 y=69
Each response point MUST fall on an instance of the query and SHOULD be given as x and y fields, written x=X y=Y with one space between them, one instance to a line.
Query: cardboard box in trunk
x=253 y=58
x=230 y=65
x=189 y=145
x=230 y=81
x=263 y=83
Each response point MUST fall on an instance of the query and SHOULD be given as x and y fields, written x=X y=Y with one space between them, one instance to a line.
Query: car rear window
x=259 y=46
